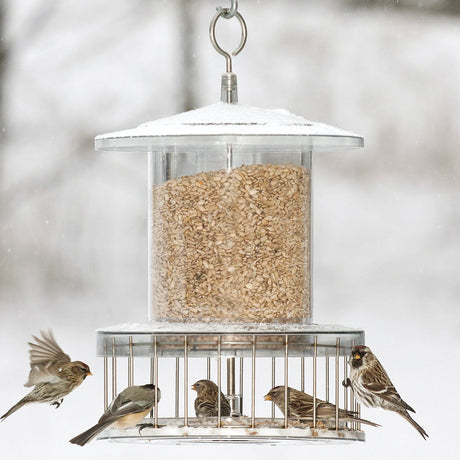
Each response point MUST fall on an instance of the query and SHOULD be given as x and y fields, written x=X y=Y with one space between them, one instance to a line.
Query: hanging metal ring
x=212 y=35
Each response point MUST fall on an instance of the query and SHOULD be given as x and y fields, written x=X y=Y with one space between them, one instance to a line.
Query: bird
x=52 y=374
x=300 y=405
x=125 y=411
x=373 y=388
x=206 y=402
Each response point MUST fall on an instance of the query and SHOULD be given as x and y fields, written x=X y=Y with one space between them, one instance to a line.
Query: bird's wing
x=225 y=408
x=132 y=400
x=387 y=392
x=205 y=407
x=129 y=407
x=46 y=358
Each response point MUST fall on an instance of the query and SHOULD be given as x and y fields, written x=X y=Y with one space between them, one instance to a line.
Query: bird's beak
x=357 y=356
x=193 y=387
x=88 y=373
x=267 y=398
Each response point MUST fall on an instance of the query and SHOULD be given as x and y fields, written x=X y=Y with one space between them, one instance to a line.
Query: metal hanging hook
x=228 y=13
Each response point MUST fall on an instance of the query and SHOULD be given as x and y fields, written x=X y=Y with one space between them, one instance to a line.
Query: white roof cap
x=223 y=119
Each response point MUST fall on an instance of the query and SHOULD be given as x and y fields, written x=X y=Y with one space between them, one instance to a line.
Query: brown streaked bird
x=125 y=411
x=206 y=402
x=300 y=406
x=373 y=388
x=52 y=374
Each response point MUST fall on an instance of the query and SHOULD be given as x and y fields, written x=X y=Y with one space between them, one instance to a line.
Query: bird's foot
x=57 y=403
x=346 y=383
x=141 y=426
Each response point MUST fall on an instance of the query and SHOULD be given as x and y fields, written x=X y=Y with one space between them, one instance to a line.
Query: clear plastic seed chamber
x=230 y=276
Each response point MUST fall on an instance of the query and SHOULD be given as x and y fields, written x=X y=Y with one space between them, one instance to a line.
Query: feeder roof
x=228 y=120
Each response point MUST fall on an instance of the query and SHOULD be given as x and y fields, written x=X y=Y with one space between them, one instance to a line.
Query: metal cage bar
x=241 y=387
x=337 y=398
x=253 y=383
x=315 y=355
x=185 y=381
x=219 y=383
x=130 y=363
x=302 y=373
x=177 y=389
x=114 y=369
x=286 y=378
x=273 y=384
x=106 y=380
x=345 y=389
x=155 y=360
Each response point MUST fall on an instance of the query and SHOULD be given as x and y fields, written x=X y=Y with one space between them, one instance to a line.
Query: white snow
x=216 y=327
x=222 y=119
x=271 y=432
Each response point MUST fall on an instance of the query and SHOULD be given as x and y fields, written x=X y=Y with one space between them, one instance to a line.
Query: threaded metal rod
x=231 y=384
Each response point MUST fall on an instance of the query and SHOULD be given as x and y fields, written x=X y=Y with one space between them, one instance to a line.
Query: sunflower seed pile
x=233 y=246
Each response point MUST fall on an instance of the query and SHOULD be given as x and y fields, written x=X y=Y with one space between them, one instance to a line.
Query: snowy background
x=387 y=218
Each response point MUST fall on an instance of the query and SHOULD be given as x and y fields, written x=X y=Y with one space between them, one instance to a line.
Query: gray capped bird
x=125 y=411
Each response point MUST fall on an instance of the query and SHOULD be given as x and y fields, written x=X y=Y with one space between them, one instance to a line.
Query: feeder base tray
x=234 y=430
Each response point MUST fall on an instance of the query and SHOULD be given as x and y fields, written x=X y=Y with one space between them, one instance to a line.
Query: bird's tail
x=414 y=424
x=352 y=416
x=17 y=406
x=363 y=420
x=89 y=434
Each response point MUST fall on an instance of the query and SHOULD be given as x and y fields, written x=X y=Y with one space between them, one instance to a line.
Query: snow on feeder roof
x=223 y=119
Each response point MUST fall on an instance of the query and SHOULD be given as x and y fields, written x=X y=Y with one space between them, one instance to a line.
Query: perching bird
x=126 y=410
x=52 y=374
x=372 y=386
x=206 y=402
x=300 y=405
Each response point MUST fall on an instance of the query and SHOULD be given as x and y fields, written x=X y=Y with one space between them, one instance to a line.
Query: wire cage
x=244 y=365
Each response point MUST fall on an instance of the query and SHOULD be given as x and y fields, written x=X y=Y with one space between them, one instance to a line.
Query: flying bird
x=52 y=374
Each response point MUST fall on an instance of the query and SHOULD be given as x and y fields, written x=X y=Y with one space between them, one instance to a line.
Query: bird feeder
x=230 y=273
